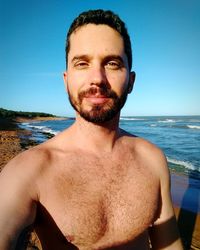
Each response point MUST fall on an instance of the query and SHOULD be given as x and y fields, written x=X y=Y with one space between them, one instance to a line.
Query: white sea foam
x=43 y=129
x=153 y=125
x=185 y=164
x=167 y=121
x=24 y=123
x=193 y=126
x=50 y=131
x=36 y=127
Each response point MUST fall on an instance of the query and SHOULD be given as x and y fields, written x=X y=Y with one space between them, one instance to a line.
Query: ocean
x=177 y=136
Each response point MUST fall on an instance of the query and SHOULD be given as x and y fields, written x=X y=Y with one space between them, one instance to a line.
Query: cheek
x=77 y=79
x=119 y=83
x=73 y=84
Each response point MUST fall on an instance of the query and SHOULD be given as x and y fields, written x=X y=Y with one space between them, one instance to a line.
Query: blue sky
x=165 y=39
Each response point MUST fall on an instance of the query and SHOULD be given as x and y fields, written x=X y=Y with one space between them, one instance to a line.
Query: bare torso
x=92 y=201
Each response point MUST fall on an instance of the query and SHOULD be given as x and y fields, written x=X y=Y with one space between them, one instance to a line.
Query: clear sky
x=165 y=39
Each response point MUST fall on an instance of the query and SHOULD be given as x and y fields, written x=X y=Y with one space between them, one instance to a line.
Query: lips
x=97 y=96
x=97 y=99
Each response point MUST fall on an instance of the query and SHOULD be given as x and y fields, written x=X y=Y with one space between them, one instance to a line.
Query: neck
x=97 y=137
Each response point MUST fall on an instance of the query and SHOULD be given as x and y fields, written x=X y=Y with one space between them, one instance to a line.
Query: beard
x=99 y=113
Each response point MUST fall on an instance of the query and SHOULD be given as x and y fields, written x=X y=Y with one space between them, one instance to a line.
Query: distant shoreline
x=39 y=118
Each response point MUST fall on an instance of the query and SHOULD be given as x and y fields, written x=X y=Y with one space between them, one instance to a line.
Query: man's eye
x=113 y=65
x=81 y=64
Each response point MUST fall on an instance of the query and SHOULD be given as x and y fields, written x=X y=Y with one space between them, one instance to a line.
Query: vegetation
x=4 y=113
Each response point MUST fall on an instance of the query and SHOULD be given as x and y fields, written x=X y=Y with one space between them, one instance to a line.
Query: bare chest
x=101 y=208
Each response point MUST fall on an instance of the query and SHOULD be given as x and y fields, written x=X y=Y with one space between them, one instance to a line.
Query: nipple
x=69 y=238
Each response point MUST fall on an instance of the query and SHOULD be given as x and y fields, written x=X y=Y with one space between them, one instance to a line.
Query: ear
x=65 y=80
x=131 y=81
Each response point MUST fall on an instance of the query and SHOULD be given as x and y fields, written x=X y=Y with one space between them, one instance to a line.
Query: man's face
x=97 y=77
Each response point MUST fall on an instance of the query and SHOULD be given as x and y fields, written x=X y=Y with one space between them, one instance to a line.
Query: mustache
x=109 y=93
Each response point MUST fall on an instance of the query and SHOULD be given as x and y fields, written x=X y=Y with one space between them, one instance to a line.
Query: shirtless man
x=93 y=186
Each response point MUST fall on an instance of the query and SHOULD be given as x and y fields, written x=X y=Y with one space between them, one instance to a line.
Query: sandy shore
x=188 y=219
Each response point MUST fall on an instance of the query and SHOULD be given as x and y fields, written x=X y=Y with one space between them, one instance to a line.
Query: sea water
x=177 y=136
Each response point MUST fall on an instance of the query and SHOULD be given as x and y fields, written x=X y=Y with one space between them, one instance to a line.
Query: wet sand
x=185 y=198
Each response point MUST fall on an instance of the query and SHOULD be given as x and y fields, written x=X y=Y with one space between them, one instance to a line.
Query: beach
x=14 y=140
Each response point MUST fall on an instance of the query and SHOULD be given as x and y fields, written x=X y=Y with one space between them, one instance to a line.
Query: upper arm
x=164 y=232
x=17 y=202
x=166 y=211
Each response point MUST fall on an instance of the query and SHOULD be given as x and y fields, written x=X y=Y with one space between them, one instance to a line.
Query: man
x=93 y=186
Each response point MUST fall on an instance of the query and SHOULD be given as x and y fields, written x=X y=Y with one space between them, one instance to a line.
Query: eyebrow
x=80 y=57
x=106 y=58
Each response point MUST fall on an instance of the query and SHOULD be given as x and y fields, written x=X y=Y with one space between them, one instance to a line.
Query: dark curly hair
x=101 y=17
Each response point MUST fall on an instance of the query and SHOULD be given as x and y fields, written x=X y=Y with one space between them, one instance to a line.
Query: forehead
x=94 y=39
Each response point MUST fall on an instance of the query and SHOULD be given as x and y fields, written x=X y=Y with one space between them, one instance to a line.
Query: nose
x=98 y=76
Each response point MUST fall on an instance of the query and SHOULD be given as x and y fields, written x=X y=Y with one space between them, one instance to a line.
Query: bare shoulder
x=34 y=162
x=25 y=169
x=148 y=154
x=139 y=143
x=28 y=160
